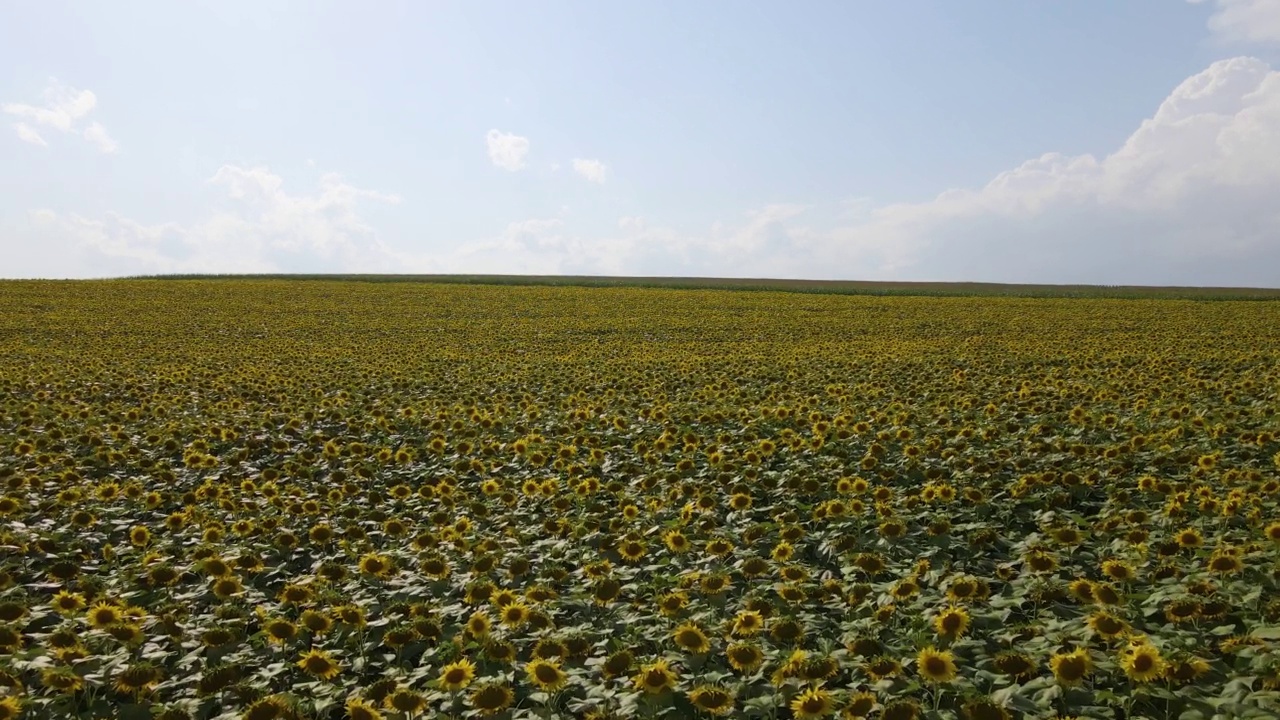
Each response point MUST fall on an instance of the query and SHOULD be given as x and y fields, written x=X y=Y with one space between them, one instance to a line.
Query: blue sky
x=1090 y=141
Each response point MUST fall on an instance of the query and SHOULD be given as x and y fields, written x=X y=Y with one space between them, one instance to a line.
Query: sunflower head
x=655 y=678
x=491 y=698
x=546 y=675
x=319 y=664
x=1071 y=668
x=936 y=666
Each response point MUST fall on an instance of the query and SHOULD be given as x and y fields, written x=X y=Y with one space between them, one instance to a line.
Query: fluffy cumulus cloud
x=264 y=228
x=1189 y=198
x=1250 y=21
x=507 y=150
x=593 y=170
x=63 y=109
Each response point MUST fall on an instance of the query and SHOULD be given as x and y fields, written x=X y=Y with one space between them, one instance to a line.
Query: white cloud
x=593 y=170
x=97 y=135
x=507 y=150
x=265 y=228
x=26 y=133
x=1250 y=21
x=1188 y=198
x=63 y=109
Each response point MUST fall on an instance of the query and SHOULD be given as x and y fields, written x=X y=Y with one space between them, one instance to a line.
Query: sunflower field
x=268 y=499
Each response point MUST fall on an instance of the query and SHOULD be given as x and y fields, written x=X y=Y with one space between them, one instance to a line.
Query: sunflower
x=860 y=705
x=398 y=637
x=104 y=614
x=1272 y=532
x=962 y=589
x=317 y=623
x=1118 y=570
x=1106 y=594
x=654 y=678
x=605 y=590
x=375 y=565
x=457 y=675
x=1181 y=672
x=748 y=623
x=1183 y=610
x=225 y=587
x=358 y=709
x=619 y=663
x=1041 y=561
x=68 y=603
x=715 y=583
x=936 y=666
x=815 y=669
x=905 y=589
x=881 y=667
x=162 y=574
x=671 y=603
x=901 y=710
x=691 y=638
x=1223 y=563
x=1070 y=668
x=546 y=674
x=984 y=709
x=1189 y=538
x=479 y=625
x=294 y=594
x=350 y=615
x=137 y=679
x=319 y=664
x=1107 y=625
x=279 y=630
x=1081 y=590
x=491 y=698
x=951 y=622
x=712 y=699
x=62 y=679
x=127 y=633
x=676 y=541
x=215 y=566
x=500 y=651
x=892 y=529
x=406 y=701
x=783 y=551
x=1142 y=663
x=813 y=704
x=515 y=614
x=631 y=550
x=10 y=707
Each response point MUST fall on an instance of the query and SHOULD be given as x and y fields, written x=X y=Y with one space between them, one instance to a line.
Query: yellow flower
x=712 y=699
x=320 y=664
x=546 y=674
x=812 y=704
x=1142 y=663
x=748 y=623
x=1071 y=668
x=691 y=638
x=491 y=698
x=654 y=678
x=937 y=666
x=358 y=709
x=375 y=565
x=952 y=622
x=68 y=603
x=457 y=675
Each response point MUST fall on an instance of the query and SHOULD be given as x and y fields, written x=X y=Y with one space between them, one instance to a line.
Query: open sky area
x=1090 y=141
